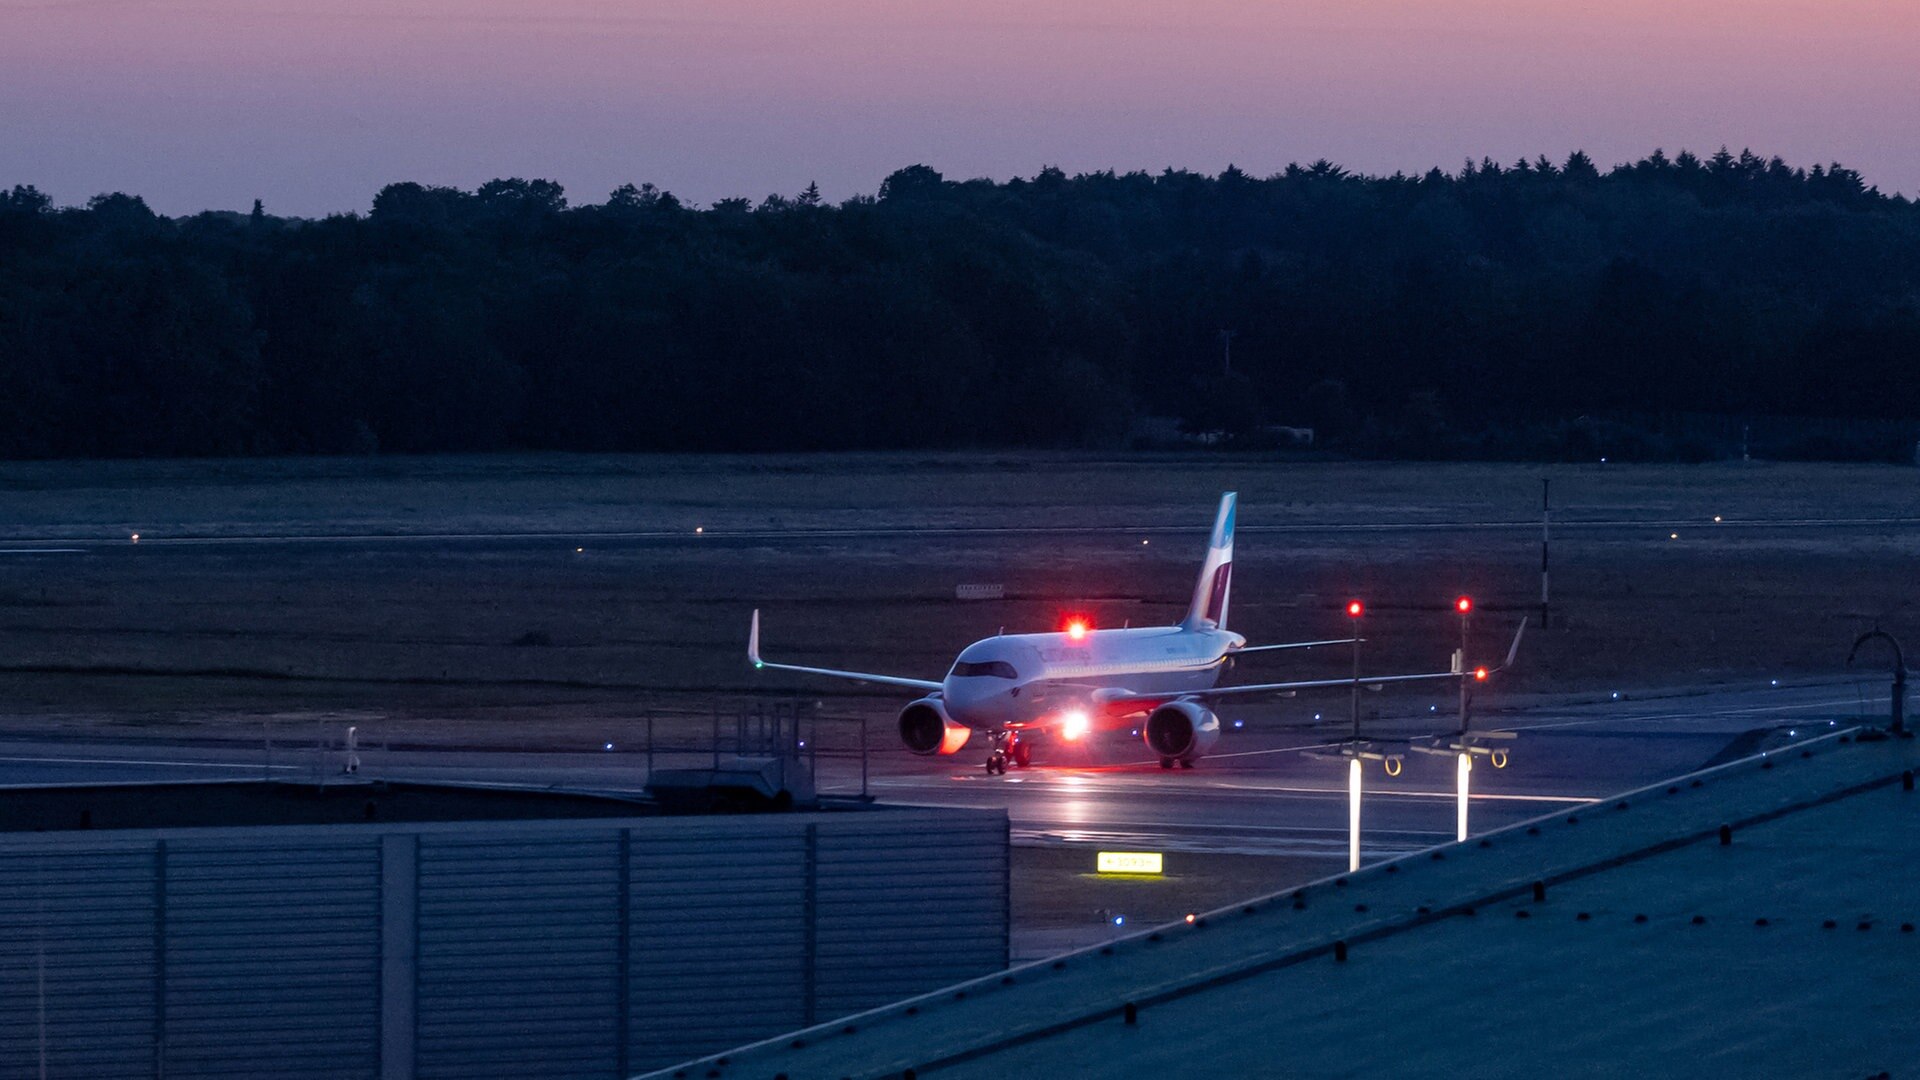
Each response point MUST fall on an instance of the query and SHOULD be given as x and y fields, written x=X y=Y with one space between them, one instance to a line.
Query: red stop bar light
x=1354 y=609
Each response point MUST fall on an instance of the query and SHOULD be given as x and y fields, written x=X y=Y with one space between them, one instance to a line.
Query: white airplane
x=1015 y=687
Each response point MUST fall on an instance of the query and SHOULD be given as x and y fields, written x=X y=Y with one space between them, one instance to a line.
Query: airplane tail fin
x=1209 y=605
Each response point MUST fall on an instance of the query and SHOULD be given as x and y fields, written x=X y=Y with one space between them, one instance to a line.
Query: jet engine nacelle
x=1181 y=729
x=927 y=729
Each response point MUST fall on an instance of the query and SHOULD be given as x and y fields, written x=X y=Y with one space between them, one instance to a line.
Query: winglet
x=1513 y=653
x=753 y=640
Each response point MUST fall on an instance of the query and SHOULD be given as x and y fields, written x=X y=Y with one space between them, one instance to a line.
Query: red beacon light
x=1480 y=674
x=1077 y=629
x=1355 y=609
x=1463 y=605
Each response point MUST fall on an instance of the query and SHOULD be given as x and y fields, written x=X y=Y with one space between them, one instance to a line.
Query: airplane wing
x=753 y=656
x=1292 y=645
x=1316 y=684
x=1277 y=688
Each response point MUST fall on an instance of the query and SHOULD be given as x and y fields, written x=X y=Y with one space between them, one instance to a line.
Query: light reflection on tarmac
x=1261 y=795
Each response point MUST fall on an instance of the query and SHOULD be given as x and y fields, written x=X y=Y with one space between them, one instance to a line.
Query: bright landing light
x=1074 y=725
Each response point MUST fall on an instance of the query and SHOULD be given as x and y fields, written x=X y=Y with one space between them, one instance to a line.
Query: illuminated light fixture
x=1355 y=609
x=1673 y=536
x=1463 y=769
x=579 y=551
x=1128 y=862
x=1480 y=674
x=1075 y=725
x=1716 y=519
x=1077 y=629
x=1353 y=813
x=699 y=530
x=1190 y=916
x=1144 y=543
x=1463 y=605
x=135 y=538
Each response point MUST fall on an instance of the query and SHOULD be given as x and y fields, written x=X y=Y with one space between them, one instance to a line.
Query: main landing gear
x=1007 y=746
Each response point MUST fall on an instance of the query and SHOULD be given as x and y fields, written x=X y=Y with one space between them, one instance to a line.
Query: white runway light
x=1353 y=814
x=1465 y=769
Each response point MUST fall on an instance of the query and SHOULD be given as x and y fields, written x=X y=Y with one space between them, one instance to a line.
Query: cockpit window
x=998 y=669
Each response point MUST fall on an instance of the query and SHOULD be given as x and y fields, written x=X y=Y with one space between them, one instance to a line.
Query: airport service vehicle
x=1020 y=688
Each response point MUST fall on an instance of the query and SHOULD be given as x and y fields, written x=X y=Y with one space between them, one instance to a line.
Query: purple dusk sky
x=313 y=105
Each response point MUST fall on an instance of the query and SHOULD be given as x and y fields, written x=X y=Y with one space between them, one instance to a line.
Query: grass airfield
x=541 y=587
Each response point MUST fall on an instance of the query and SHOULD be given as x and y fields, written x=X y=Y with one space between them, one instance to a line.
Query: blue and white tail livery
x=1065 y=686
x=1209 y=607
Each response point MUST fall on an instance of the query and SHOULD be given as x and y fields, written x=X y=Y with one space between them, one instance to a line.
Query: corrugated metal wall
x=723 y=921
x=524 y=949
x=519 y=956
x=78 y=968
x=261 y=939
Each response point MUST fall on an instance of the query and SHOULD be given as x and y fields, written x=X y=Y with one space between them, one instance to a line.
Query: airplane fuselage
x=1020 y=680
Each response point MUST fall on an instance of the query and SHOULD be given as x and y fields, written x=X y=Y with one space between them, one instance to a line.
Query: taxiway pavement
x=1263 y=792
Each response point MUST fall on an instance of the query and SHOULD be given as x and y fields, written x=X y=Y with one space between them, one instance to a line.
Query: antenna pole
x=1354 y=690
x=1546 y=517
x=1464 y=669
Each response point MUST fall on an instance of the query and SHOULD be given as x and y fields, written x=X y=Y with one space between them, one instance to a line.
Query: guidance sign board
x=1128 y=862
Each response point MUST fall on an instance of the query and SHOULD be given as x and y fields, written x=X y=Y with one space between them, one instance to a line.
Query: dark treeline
x=1535 y=310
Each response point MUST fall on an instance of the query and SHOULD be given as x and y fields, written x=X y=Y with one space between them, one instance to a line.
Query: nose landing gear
x=1007 y=747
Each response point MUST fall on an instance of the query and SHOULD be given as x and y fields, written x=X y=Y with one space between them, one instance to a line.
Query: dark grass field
x=564 y=586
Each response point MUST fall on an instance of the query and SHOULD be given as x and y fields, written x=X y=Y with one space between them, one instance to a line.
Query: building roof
x=1621 y=938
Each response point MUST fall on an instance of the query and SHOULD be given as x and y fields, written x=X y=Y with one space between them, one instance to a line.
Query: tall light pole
x=1355 y=609
x=1464 y=606
x=1464 y=766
